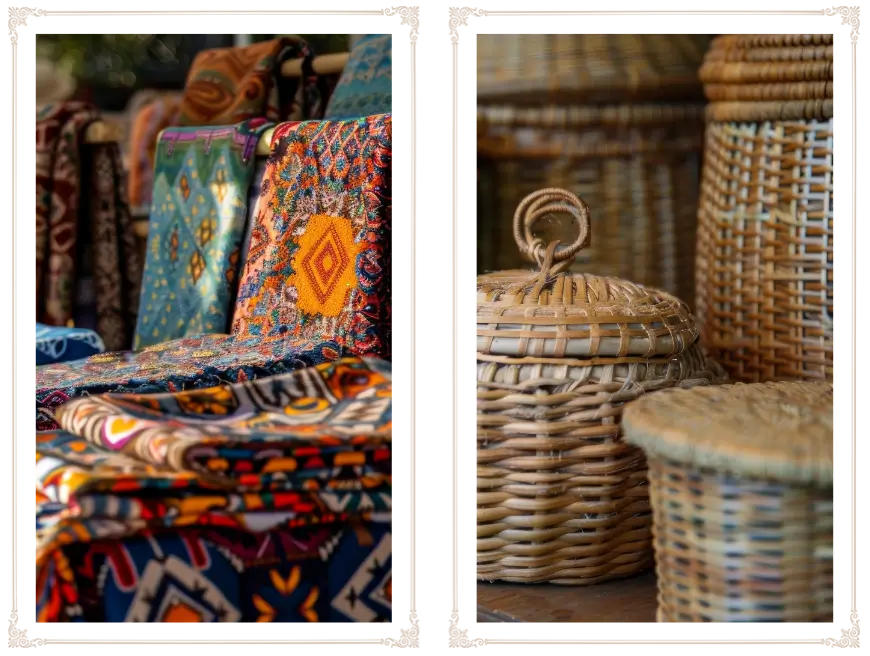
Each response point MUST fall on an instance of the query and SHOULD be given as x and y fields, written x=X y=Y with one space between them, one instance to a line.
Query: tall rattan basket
x=561 y=498
x=616 y=118
x=765 y=268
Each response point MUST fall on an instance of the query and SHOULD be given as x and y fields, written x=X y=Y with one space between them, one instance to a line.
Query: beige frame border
x=459 y=23
x=22 y=633
x=462 y=632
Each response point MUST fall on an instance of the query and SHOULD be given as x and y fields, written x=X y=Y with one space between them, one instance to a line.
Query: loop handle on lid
x=537 y=206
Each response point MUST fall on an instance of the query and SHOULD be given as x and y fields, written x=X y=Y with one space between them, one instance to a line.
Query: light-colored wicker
x=561 y=498
x=616 y=118
x=741 y=485
x=765 y=269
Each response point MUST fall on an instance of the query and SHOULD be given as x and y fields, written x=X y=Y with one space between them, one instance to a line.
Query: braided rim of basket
x=769 y=78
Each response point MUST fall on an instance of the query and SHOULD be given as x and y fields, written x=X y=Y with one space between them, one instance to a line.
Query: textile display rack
x=106 y=132
x=110 y=131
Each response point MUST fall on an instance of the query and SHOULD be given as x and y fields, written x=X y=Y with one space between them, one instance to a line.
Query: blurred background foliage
x=109 y=68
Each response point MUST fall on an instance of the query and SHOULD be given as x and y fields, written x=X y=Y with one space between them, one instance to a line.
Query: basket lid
x=535 y=69
x=782 y=431
x=554 y=314
x=768 y=77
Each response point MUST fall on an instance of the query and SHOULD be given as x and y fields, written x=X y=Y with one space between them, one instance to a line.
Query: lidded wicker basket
x=561 y=498
x=741 y=483
x=765 y=268
x=618 y=119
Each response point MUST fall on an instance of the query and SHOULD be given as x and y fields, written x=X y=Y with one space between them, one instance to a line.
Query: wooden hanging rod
x=322 y=65
x=109 y=131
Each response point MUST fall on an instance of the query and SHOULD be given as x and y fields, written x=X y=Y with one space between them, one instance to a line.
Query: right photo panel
x=655 y=328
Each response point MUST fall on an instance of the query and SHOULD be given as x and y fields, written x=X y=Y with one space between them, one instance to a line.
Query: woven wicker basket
x=765 y=270
x=741 y=484
x=561 y=497
x=616 y=118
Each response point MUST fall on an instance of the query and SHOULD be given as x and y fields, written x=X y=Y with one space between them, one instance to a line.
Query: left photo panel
x=213 y=328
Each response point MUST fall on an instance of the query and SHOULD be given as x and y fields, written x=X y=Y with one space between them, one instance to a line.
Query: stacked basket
x=765 y=274
x=616 y=118
x=561 y=497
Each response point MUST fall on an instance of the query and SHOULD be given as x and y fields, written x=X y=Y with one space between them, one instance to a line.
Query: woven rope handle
x=537 y=206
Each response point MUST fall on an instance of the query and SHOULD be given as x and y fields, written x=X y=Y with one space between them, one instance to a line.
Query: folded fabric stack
x=260 y=501
x=56 y=344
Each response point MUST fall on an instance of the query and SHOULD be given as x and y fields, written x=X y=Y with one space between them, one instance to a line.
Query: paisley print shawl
x=230 y=85
x=318 y=265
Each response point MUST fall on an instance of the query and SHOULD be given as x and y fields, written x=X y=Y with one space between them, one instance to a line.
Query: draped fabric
x=88 y=267
x=365 y=87
x=230 y=85
x=60 y=344
x=270 y=502
x=318 y=264
x=316 y=282
x=148 y=122
x=196 y=230
x=190 y=363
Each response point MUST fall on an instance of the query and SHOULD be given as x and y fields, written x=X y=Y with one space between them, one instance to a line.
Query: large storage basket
x=561 y=497
x=765 y=269
x=616 y=118
x=741 y=483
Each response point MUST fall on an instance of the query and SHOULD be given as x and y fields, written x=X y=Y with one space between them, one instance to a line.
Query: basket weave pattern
x=561 y=497
x=764 y=272
x=740 y=550
x=616 y=118
x=741 y=487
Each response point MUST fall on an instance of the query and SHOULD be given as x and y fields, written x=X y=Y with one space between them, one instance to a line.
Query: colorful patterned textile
x=58 y=344
x=270 y=425
x=88 y=268
x=261 y=501
x=190 y=363
x=318 y=265
x=76 y=479
x=365 y=87
x=254 y=191
x=152 y=118
x=195 y=234
x=336 y=572
x=230 y=85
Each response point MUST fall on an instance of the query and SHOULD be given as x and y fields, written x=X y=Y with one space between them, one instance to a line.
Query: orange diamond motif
x=324 y=272
x=325 y=263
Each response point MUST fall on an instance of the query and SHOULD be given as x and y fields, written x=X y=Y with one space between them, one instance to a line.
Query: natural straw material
x=616 y=118
x=561 y=498
x=765 y=271
x=741 y=486
x=534 y=69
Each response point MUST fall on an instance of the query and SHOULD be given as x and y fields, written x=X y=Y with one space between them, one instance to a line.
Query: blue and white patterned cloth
x=365 y=87
x=59 y=344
